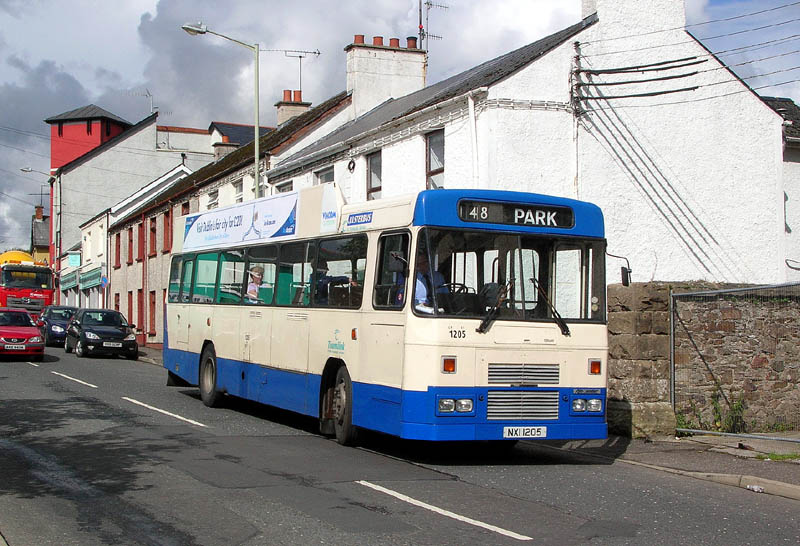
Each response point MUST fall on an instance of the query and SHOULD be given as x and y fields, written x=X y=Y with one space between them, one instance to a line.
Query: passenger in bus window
x=427 y=282
x=256 y=279
x=324 y=282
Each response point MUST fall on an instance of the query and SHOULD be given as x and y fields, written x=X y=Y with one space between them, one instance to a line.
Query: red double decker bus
x=25 y=284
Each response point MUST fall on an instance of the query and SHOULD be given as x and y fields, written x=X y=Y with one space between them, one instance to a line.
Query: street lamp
x=199 y=28
x=29 y=170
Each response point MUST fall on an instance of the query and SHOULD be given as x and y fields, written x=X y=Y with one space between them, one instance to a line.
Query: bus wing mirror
x=626 y=276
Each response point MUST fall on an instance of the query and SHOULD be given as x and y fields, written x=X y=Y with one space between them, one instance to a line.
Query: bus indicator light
x=354 y=334
x=448 y=364
x=594 y=366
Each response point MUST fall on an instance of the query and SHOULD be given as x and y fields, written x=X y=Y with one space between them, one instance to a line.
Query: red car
x=19 y=335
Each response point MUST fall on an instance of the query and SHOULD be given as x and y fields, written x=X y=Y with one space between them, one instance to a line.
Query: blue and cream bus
x=444 y=315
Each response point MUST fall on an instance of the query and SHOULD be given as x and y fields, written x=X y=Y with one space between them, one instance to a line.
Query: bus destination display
x=516 y=214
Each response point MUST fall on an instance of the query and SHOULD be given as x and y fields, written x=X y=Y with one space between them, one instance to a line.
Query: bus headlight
x=594 y=404
x=464 y=405
x=447 y=405
x=578 y=404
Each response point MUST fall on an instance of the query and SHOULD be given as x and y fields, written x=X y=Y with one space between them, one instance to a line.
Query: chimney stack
x=39 y=212
x=292 y=105
x=376 y=72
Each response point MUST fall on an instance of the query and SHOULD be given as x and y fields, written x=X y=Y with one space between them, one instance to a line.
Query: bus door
x=180 y=296
x=256 y=326
x=290 y=325
x=383 y=349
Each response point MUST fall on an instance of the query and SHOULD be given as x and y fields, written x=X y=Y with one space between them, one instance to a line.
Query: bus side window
x=294 y=274
x=205 y=279
x=392 y=272
x=231 y=276
x=259 y=283
x=174 y=291
x=186 y=280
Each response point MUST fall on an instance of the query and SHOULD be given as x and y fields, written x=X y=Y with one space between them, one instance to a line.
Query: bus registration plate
x=14 y=347
x=524 y=432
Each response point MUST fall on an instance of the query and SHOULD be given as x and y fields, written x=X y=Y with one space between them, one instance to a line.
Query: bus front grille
x=523 y=374
x=522 y=405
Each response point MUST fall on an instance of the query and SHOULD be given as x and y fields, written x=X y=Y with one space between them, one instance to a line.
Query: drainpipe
x=143 y=311
x=473 y=135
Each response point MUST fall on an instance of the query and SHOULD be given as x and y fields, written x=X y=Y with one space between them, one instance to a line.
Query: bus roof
x=321 y=210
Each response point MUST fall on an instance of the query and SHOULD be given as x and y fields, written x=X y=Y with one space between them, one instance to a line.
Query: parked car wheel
x=80 y=352
x=67 y=348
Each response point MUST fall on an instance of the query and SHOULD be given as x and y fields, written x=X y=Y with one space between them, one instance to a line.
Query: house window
x=152 y=330
x=140 y=247
x=167 y=231
x=262 y=186
x=185 y=208
x=108 y=128
x=374 y=176
x=435 y=160
x=152 y=237
x=237 y=191
x=130 y=245
x=60 y=129
x=283 y=187
x=88 y=127
x=140 y=308
x=324 y=176
x=213 y=199
x=116 y=301
x=117 y=243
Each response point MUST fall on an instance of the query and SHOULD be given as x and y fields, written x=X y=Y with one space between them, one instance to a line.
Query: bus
x=25 y=284
x=303 y=302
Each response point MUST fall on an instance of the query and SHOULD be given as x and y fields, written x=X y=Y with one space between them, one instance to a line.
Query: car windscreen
x=12 y=318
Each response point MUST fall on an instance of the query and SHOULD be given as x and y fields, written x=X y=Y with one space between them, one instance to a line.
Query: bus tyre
x=346 y=432
x=208 y=378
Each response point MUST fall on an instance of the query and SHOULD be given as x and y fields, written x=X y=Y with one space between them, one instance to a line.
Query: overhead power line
x=748 y=30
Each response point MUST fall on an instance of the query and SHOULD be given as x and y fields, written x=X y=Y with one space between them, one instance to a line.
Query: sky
x=58 y=55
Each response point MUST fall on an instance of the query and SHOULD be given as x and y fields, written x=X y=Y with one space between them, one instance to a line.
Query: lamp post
x=199 y=28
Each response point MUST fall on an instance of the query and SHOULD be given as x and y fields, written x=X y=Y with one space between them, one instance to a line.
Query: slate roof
x=236 y=132
x=244 y=155
x=789 y=111
x=40 y=232
x=90 y=111
x=482 y=75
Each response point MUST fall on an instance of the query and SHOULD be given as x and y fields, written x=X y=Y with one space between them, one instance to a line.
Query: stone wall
x=738 y=356
x=748 y=349
x=638 y=349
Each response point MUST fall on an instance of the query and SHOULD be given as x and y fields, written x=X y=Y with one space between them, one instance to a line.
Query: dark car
x=101 y=332
x=19 y=335
x=53 y=323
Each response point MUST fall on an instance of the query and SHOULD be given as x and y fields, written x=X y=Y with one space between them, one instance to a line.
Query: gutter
x=338 y=147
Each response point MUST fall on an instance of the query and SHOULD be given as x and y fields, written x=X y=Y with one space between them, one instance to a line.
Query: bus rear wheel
x=209 y=394
x=346 y=432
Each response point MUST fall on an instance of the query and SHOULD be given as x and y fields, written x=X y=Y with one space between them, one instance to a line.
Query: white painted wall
x=791 y=181
x=112 y=175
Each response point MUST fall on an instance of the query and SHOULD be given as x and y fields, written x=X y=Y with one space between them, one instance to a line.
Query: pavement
x=739 y=461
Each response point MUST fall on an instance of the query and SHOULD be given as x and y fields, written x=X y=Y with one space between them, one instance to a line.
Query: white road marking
x=444 y=512
x=132 y=401
x=75 y=380
x=32 y=364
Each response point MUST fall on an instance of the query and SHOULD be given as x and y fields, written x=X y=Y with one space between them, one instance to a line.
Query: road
x=100 y=451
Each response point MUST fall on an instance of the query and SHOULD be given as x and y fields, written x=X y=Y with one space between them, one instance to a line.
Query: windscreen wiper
x=491 y=314
x=556 y=315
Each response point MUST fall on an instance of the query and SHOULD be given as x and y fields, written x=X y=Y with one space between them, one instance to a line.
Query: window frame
x=430 y=173
x=153 y=238
x=371 y=188
x=318 y=175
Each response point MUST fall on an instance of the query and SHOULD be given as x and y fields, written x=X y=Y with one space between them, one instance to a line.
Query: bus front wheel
x=346 y=432
x=208 y=378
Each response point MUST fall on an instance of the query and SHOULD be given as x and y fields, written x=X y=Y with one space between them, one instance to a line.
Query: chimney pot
x=298 y=96
x=394 y=42
x=39 y=212
x=226 y=138
x=377 y=40
x=358 y=39
x=287 y=95
x=412 y=42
